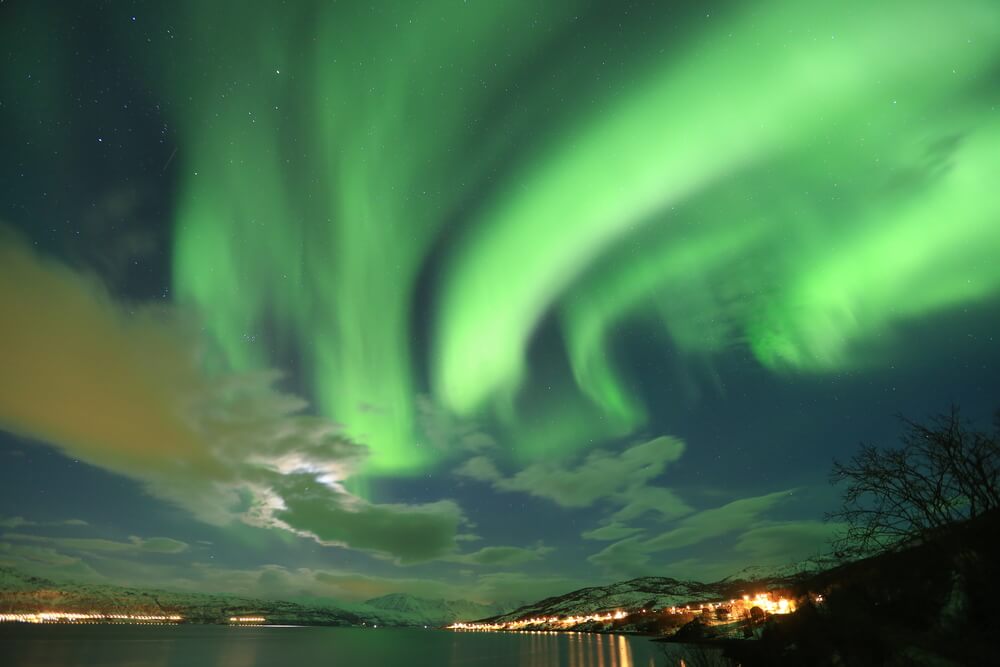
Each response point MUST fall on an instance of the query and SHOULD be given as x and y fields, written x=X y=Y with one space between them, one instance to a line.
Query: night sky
x=482 y=300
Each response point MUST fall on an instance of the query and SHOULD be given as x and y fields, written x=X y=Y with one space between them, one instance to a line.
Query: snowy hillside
x=24 y=593
x=779 y=572
x=645 y=592
x=402 y=609
x=20 y=592
x=642 y=593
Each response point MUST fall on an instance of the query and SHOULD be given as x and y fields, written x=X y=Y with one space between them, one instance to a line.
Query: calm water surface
x=219 y=646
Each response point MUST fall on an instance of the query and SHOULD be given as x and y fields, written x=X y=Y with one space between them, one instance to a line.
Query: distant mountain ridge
x=409 y=609
x=20 y=592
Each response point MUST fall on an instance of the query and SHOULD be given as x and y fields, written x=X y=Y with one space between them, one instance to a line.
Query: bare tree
x=945 y=472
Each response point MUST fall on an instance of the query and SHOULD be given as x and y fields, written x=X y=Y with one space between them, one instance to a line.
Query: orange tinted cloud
x=80 y=371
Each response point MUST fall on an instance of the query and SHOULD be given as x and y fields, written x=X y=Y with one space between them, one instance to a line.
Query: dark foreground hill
x=931 y=604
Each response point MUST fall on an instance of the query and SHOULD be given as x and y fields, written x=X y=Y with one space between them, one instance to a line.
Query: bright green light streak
x=748 y=90
x=317 y=173
x=934 y=251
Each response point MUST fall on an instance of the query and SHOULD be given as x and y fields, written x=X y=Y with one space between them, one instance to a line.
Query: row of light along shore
x=93 y=617
x=764 y=601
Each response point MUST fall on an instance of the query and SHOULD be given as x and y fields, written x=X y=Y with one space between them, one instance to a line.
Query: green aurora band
x=796 y=178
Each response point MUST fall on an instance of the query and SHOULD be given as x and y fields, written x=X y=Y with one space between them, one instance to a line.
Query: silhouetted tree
x=944 y=472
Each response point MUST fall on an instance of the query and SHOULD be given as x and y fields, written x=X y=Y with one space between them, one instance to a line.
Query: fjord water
x=219 y=646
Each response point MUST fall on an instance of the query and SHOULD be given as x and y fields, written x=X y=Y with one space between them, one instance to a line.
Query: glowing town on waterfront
x=116 y=618
x=523 y=623
x=73 y=617
x=733 y=608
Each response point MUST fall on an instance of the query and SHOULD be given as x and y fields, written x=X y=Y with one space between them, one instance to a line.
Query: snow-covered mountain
x=642 y=593
x=11 y=580
x=22 y=593
x=403 y=609
x=779 y=572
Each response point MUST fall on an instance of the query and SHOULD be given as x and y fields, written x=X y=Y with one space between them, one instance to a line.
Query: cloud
x=601 y=474
x=632 y=555
x=641 y=499
x=124 y=388
x=621 y=477
x=410 y=533
x=610 y=531
x=704 y=569
x=79 y=371
x=14 y=522
x=29 y=555
x=766 y=544
x=493 y=588
x=785 y=542
x=446 y=431
x=18 y=521
x=114 y=566
x=506 y=587
x=716 y=521
x=502 y=556
x=160 y=545
x=479 y=468
x=628 y=558
x=359 y=587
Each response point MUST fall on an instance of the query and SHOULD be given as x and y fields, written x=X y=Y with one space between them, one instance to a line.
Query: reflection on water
x=237 y=654
x=220 y=646
x=576 y=649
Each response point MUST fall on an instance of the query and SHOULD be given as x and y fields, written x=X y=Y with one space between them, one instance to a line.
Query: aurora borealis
x=639 y=269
